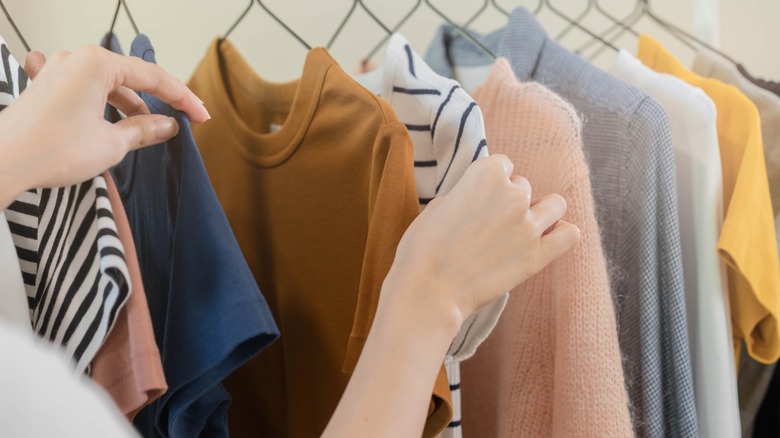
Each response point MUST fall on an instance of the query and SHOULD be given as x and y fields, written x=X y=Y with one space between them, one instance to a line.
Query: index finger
x=139 y=75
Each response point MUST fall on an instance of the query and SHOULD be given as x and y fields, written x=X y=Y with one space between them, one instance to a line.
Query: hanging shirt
x=768 y=105
x=627 y=143
x=72 y=261
x=317 y=180
x=692 y=117
x=754 y=376
x=42 y=398
x=207 y=312
x=13 y=293
x=13 y=296
x=448 y=132
x=128 y=365
x=747 y=240
x=556 y=350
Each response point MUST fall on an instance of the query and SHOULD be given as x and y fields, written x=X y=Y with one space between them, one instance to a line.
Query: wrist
x=13 y=178
x=410 y=303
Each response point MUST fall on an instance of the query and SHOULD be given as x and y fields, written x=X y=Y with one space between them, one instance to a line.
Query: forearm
x=390 y=390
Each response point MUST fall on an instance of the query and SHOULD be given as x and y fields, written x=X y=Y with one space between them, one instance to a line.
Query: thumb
x=145 y=130
x=34 y=63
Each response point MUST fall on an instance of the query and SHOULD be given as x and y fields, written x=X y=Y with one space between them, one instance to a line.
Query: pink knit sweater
x=552 y=366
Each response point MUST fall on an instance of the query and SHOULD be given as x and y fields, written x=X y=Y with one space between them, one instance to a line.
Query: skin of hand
x=464 y=250
x=54 y=135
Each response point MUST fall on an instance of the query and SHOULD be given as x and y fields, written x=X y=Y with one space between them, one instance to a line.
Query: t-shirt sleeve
x=218 y=318
x=393 y=206
x=747 y=245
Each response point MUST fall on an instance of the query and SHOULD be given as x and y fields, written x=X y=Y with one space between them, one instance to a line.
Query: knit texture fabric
x=628 y=146
x=552 y=366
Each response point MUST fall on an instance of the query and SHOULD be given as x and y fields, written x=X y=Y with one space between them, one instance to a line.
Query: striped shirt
x=72 y=260
x=448 y=132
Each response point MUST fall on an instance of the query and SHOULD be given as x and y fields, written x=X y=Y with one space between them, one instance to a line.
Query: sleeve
x=652 y=321
x=748 y=246
x=587 y=353
x=393 y=206
x=217 y=318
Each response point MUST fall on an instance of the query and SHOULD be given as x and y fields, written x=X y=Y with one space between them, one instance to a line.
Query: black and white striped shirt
x=448 y=132
x=72 y=260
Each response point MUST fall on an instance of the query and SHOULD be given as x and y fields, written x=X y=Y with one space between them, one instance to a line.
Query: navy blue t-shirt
x=207 y=311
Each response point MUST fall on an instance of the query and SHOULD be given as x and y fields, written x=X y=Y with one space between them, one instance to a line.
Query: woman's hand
x=465 y=250
x=55 y=135
x=482 y=239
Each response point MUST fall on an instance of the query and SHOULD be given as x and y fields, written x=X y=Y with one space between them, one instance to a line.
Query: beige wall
x=182 y=29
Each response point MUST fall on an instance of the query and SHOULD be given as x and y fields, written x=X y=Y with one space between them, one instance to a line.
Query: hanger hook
x=373 y=16
x=285 y=26
x=461 y=31
x=16 y=29
x=560 y=14
x=393 y=30
x=130 y=17
x=240 y=17
x=123 y=4
x=342 y=24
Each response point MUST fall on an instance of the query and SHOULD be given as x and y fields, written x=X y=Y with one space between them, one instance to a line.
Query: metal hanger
x=476 y=15
x=579 y=18
x=507 y=13
x=240 y=18
x=273 y=16
x=15 y=28
x=123 y=4
x=393 y=30
x=463 y=32
x=578 y=25
x=349 y=14
x=676 y=31
x=621 y=25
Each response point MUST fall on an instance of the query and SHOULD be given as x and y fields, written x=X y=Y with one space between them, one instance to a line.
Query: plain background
x=181 y=30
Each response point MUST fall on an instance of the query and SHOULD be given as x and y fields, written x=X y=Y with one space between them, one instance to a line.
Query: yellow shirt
x=747 y=240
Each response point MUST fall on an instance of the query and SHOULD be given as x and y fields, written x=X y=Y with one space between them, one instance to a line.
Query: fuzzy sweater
x=552 y=366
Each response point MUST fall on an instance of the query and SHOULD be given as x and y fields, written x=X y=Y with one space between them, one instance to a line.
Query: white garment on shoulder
x=692 y=118
x=42 y=396
x=13 y=296
x=448 y=132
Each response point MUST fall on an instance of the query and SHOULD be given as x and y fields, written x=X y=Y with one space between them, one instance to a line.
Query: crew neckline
x=273 y=148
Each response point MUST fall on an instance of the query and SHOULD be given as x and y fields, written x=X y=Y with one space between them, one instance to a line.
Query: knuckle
x=91 y=52
x=58 y=55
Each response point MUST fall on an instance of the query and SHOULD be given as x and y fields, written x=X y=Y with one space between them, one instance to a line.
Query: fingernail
x=208 y=116
x=167 y=128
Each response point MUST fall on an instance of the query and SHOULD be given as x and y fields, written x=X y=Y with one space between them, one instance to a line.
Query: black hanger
x=273 y=16
x=393 y=30
x=123 y=4
x=349 y=14
x=463 y=32
x=16 y=29
x=240 y=17
x=507 y=13
x=621 y=25
x=578 y=25
x=476 y=15
x=579 y=18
